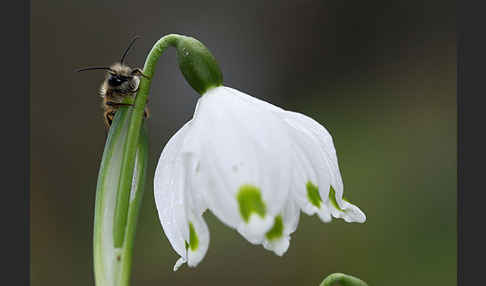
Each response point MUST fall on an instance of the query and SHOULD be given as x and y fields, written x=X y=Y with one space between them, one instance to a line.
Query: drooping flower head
x=254 y=165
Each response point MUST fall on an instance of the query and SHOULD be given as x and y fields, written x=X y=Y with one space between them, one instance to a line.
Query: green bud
x=197 y=64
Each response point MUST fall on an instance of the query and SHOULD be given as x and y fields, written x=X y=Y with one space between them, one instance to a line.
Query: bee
x=121 y=81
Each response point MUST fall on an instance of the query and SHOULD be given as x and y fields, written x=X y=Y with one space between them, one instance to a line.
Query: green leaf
x=112 y=262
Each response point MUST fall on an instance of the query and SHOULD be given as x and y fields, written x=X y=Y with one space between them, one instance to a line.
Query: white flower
x=255 y=166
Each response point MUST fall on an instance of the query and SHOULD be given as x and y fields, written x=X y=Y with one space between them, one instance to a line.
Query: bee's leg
x=139 y=72
x=108 y=116
x=110 y=103
x=146 y=113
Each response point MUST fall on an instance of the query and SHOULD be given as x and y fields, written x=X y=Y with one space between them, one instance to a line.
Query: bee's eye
x=115 y=81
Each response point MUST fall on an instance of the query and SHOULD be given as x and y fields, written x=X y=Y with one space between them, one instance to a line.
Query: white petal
x=353 y=213
x=168 y=192
x=197 y=249
x=179 y=206
x=279 y=242
x=198 y=241
x=241 y=144
x=310 y=138
x=348 y=212
x=278 y=246
x=255 y=227
x=325 y=143
x=255 y=101
x=179 y=263
x=290 y=215
x=310 y=176
x=321 y=143
x=314 y=146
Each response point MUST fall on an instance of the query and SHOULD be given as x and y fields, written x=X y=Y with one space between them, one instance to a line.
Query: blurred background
x=380 y=75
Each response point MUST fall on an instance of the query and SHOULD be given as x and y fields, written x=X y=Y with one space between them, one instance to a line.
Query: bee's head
x=122 y=77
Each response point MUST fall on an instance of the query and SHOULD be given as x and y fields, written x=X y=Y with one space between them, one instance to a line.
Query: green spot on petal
x=332 y=198
x=313 y=194
x=277 y=229
x=250 y=201
x=193 y=240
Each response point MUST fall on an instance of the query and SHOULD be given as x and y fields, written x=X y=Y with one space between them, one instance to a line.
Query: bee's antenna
x=94 y=68
x=128 y=49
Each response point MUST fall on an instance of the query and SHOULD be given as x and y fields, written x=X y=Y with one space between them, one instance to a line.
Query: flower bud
x=197 y=64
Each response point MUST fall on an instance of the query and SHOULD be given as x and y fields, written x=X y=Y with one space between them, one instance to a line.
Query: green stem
x=342 y=280
x=121 y=209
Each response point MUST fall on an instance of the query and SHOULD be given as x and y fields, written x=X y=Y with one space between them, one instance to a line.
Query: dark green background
x=380 y=75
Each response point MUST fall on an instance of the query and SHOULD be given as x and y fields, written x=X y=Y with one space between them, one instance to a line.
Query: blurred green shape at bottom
x=340 y=279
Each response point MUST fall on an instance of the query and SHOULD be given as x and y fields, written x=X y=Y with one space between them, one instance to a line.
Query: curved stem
x=121 y=209
x=342 y=280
